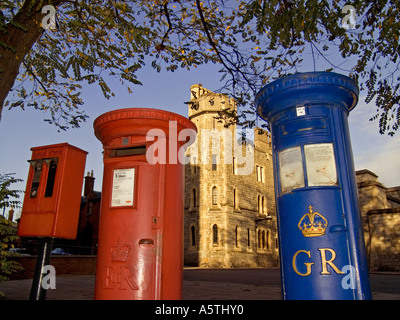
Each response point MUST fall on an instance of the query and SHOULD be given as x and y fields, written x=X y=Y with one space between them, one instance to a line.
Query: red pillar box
x=140 y=233
x=53 y=192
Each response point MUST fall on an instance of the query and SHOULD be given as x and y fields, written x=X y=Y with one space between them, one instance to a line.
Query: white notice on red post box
x=123 y=187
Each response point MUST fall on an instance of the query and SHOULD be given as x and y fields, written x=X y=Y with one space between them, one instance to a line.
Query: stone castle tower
x=230 y=218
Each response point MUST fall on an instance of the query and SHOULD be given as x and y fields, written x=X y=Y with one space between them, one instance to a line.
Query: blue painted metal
x=322 y=251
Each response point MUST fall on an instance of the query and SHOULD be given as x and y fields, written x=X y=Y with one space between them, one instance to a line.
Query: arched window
x=268 y=239
x=214 y=196
x=259 y=238
x=193 y=233
x=215 y=234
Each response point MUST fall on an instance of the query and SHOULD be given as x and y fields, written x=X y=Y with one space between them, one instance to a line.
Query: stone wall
x=380 y=213
x=384 y=244
x=68 y=264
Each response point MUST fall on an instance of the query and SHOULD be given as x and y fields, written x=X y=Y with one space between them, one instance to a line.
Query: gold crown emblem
x=312 y=224
x=120 y=252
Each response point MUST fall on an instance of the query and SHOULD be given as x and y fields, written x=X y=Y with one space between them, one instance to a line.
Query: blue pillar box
x=322 y=251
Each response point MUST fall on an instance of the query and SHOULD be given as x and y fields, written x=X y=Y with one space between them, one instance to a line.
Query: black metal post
x=37 y=290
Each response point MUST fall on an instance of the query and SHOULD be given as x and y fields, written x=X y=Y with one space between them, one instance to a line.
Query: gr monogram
x=324 y=261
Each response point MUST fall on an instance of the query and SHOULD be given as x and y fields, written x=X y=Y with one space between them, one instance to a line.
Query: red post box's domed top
x=137 y=122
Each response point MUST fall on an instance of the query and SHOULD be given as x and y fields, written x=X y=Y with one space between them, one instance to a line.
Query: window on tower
x=194 y=203
x=215 y=234
x=193 y=233
x=235 y=199
x=260 y=174
x=214 y=162
x=237 y=237
x=214 y=196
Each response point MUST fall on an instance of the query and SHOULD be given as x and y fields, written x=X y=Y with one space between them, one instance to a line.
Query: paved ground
x=200 y=284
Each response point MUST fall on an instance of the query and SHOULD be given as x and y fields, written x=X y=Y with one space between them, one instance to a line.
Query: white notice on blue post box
x=320 y=164
x=291 y=169
x=123 y=187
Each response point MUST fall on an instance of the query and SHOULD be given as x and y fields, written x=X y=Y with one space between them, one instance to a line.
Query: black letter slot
x=300 y=125
x=37 y=167
x=51 y=176
x=124 y=152
x=146 y=241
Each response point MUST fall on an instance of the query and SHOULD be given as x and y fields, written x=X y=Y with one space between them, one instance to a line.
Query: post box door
x=130 y=256
x=310 y=206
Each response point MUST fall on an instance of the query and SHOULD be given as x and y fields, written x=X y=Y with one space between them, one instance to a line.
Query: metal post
x=37 y=290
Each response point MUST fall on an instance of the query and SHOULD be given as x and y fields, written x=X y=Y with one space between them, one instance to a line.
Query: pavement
x=200 y=284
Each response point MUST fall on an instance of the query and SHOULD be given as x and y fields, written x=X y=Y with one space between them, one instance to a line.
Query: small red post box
x=140 y=234
x=53 y=192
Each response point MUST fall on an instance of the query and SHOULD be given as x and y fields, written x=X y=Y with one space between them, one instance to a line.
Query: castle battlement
x=204 y=100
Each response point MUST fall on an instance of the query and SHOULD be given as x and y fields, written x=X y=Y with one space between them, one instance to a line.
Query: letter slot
x=51 y=176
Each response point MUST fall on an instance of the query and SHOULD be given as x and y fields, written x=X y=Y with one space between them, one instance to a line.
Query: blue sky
x=21 y=130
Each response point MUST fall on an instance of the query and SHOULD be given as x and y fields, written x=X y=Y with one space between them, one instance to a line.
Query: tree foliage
x=8 y=231
x=369 y=52
x=254 y=42
x=7 y=236
x=9 y=197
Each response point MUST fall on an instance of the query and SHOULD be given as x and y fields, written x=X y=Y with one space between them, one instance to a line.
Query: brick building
x=89 y=215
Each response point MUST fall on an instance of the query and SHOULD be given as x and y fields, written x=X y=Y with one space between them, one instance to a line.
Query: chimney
x=89 y=184
x=11 y=214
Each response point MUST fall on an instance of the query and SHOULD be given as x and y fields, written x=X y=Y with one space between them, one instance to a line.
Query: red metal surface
x=140 y=234
x=52 y=198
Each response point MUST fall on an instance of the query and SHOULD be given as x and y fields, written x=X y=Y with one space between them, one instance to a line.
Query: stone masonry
x=380 y=212
x=229 y=218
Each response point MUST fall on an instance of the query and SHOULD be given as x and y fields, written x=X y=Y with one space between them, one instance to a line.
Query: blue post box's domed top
x=305 y=89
